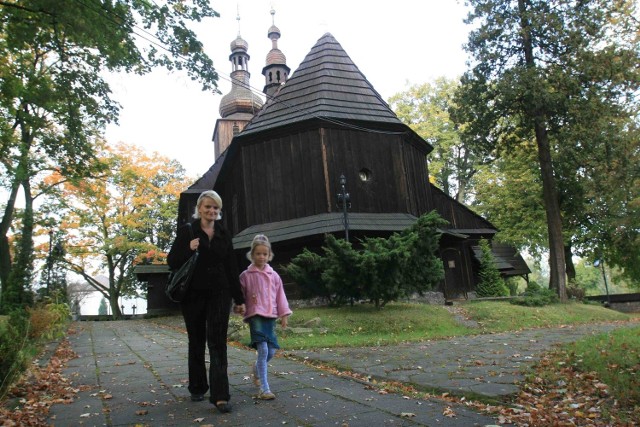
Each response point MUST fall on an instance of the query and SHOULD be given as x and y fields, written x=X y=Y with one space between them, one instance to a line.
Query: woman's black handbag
x=178 y=282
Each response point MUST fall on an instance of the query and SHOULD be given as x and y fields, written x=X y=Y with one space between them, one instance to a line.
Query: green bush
x=341 y=271
x=306 y=270
x=536 y=296
x=13 y=340
x=48 y=321
x=383 y=270
x=22 y=334
x=512 y=285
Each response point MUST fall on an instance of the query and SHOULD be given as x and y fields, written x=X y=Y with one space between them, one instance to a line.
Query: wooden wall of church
x=297 y=175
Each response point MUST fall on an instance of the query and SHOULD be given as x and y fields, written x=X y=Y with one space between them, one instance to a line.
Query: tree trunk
x=17 y=291
x=535 y=111
x=462 y=190
x=116 y=313
x=5 y=250
x=557 y=278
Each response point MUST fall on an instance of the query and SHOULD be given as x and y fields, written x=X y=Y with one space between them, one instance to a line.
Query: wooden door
x=454 y=285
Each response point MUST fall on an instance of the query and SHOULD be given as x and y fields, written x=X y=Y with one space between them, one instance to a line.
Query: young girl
x=265 y=302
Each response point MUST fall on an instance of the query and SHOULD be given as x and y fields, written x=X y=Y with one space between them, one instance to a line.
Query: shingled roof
x=326 y=85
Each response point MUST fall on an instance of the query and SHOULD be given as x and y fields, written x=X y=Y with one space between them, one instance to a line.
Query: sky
x=394 y=44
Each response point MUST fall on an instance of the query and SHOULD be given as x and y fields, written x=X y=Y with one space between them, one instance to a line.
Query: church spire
x=239 y=105
x=275 y=71
x=240 y=99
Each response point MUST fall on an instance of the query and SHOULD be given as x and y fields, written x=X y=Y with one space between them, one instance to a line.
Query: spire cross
x=238 y=19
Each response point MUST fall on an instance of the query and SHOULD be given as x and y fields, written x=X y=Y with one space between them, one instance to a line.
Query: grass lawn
x=364 y=325
x=495 y=316
x=614 y=357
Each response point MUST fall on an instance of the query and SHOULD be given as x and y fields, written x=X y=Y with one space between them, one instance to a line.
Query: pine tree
x=102 y=310
x=491 y=283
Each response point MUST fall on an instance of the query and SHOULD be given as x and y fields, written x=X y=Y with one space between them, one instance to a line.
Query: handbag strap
x=191 y=232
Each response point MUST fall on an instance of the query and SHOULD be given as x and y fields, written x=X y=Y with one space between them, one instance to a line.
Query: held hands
x=239 y=309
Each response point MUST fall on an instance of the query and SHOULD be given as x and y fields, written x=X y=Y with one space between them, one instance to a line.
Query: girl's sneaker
x=266 y=395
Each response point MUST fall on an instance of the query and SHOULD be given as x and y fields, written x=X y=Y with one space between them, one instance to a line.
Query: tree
x=425 y=108
x=114 y=220
x=545 y=71
x=102 y=309
x=490 y=283
x=607 y=223
x=53 y=278
x=597 y=203
x=509 y=194
x=54 y=102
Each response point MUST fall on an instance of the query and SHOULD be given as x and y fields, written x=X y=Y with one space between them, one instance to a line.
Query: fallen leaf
x=448 y=412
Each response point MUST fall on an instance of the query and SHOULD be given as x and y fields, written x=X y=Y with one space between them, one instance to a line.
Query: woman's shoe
x=223 y=407
x=197 y=397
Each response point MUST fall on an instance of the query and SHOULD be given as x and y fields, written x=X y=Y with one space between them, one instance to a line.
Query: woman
x=206 y=307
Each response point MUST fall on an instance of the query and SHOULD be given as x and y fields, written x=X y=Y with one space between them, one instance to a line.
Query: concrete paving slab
x=134 y=373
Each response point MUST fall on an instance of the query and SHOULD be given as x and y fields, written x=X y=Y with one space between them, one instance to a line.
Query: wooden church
x=279 y=165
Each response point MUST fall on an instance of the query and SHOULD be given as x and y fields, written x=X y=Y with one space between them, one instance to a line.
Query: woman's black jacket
x=216 y=268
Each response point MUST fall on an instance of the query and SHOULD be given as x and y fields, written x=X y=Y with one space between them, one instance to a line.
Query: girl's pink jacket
x=263 y=293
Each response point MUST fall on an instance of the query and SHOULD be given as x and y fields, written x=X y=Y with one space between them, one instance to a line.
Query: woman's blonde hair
x=260 y=240
x=213 y=196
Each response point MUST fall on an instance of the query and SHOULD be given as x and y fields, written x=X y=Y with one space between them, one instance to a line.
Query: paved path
x=133 y=373
x=485 y=365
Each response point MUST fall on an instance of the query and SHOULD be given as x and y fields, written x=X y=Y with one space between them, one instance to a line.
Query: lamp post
x=344 y=203
x=600 y=263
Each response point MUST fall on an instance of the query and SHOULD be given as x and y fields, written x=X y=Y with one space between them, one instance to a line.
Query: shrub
x=512 y=285
x=13 y=340
x=575 y=292
x=21 y=334
x=48 y=321
x=536 y=296
x=306 y=270
x=383 y=270
x=341 y=272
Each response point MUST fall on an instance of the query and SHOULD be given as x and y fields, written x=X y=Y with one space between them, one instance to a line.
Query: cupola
x=275 y=70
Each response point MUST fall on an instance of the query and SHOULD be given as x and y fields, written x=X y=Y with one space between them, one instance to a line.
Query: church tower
x=275 y=71
x=240 y=104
